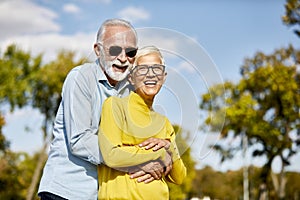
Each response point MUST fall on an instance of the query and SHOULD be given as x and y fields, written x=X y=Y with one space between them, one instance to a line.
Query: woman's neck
x=149 y=102
x=147 y=99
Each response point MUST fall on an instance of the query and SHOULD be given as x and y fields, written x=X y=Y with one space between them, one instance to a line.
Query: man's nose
x=122 y=56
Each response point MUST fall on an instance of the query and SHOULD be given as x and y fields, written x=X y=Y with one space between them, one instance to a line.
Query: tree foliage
x=264 y=105
x=16 y=67
x=292 y=15
x=47 y=83
x=4 y=144
x=10 y=179
x=25 y=81
x=228 y=185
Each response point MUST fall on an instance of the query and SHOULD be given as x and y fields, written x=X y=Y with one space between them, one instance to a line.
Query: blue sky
x=205 y=41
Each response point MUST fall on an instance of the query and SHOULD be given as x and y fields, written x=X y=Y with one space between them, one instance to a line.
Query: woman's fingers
x=155 y=144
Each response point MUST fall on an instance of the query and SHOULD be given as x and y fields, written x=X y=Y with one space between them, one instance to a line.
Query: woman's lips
x=150 y=82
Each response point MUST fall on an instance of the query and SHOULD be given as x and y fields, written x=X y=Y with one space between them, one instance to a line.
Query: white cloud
x=134 y=14
x=71 y=8
x=162 y=38
x=51 y=43
x=96 y=1
x=187 y=67
x=19 y=17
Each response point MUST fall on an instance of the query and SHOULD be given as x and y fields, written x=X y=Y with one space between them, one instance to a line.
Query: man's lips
x=118 y=68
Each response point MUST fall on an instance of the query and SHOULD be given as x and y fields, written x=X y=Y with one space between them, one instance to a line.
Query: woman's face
x=148 y=76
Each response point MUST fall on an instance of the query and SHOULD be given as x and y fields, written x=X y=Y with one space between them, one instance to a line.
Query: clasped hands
x=153 y=170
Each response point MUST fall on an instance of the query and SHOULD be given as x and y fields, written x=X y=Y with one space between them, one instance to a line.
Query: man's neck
x=111 y=81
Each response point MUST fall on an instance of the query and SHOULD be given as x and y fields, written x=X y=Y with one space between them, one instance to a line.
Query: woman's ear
x=130 y=79
x=165 y=76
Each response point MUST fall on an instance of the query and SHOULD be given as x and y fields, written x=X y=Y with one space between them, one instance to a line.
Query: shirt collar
x=100 y=74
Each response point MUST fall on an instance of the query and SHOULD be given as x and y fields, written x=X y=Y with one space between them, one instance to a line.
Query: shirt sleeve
x=115 y=154
x=178 y=172
x=77 y=105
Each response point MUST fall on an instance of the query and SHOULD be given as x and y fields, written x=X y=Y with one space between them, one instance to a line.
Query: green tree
x=15 y=69
x=293 y=189
x=10 y=185
x=218 y=185
x=292 y=15
x=3 y=143
x=264 y=106
x=16 y=66
x=228 y=185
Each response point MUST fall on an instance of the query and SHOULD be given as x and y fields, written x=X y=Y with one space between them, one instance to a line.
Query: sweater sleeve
x=115 y=154
x=178 y=172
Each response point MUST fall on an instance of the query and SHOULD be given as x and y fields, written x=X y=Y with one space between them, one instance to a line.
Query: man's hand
x=148 y=172
x=167 y=163
x=155 y=144
x=152 y=170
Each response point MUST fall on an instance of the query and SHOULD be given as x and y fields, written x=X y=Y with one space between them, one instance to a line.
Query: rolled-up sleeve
x=179 y=171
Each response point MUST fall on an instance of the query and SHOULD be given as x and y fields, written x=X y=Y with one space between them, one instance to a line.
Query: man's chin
x=118 y=76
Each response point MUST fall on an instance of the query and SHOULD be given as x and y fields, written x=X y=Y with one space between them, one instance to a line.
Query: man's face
x=117 y=52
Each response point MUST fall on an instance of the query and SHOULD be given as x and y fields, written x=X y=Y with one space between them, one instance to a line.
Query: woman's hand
x=155 y=144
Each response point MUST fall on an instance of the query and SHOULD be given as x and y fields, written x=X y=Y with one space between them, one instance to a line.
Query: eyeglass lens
x=116 y=50
x=156 y=69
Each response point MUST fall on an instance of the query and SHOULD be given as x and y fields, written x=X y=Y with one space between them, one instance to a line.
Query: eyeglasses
x=142 y=70
x=116 y=50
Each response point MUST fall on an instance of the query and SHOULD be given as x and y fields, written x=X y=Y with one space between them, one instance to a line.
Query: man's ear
x=97 y=49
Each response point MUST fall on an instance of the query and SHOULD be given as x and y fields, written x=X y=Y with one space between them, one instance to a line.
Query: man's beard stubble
x=107 y=67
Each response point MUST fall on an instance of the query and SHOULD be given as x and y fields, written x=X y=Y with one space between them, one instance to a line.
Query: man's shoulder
x=84 y=68
x=84 y=72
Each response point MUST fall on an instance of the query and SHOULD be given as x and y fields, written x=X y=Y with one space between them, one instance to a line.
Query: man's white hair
x=113 y=22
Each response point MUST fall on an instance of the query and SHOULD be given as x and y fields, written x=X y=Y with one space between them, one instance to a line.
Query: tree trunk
x=282 y=185
x=279 y=183
x=263 y=194
x=37 y=172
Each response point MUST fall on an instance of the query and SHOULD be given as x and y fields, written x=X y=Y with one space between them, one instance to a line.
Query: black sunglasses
x=116 y=50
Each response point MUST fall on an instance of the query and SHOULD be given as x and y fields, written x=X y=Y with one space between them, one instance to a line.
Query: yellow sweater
x=126 y=122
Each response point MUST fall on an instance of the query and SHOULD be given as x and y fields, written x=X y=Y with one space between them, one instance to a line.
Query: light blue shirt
x=71 y=168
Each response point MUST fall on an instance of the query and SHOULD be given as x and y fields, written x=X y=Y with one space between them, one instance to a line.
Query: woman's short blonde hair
x=146 y=50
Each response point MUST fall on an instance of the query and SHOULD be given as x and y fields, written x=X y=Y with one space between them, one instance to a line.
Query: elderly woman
x=128 y=121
